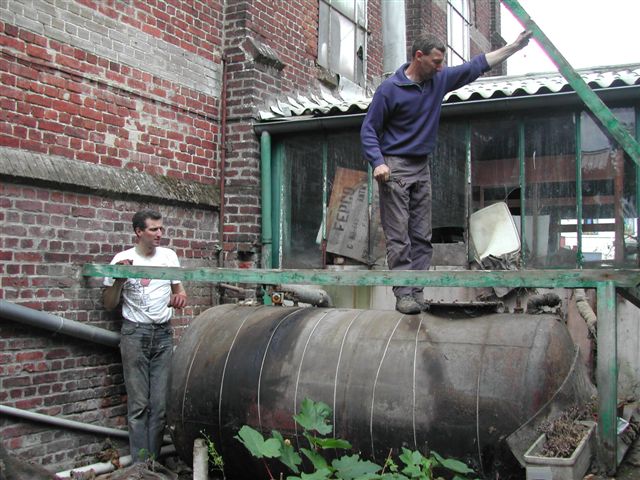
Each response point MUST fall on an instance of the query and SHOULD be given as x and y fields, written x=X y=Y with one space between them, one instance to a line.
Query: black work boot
x=424 y=305
x=407 y=304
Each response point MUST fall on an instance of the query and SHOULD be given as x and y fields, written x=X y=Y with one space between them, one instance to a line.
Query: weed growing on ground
x=313 y=419
x=215 y=459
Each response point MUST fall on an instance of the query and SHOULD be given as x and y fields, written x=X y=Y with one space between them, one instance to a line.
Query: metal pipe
x=586 y=312
x=200 y=459
x=223 y=156
x=106 y=467
x=393 y=35
x=523 y=192
x=306 y=294
x=607 y=375
x=36 y=318
x=63 y=422
x=536 y=302
x=325 y=198
x=265 y=182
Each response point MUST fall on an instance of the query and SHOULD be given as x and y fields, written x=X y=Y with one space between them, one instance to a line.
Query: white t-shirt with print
x=146 y=300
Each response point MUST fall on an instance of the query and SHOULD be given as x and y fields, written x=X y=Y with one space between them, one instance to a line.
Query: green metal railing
x=604 y=281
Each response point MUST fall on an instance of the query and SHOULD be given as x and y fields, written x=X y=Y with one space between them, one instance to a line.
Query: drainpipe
x=63 y=422
x=53 y=323
x=393 y=35
x=223 y=155
x=265 y=183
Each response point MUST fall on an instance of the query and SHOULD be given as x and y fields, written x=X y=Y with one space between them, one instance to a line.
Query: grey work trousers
x=146 y=360
x=405 y=214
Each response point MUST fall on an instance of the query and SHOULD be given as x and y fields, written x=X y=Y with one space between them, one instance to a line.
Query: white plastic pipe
x=106 y=467
x=200 y=460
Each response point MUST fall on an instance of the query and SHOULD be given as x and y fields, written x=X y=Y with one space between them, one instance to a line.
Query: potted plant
x=564 y=448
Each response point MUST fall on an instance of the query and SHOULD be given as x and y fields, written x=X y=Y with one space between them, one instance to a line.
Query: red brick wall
x=64 y=97
x=46 y=235
x=431 y=16
x=58 y=100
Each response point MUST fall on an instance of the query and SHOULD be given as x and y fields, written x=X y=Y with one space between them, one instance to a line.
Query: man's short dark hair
x=425 y=42
x=140 y=218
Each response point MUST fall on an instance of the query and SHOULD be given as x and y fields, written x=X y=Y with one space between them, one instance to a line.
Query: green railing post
x=607 y=375
x=523 y=192
x=578 y=122
x=265 y=180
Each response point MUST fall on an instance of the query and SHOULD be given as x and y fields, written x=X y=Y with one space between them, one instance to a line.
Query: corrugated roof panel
x=324 y=103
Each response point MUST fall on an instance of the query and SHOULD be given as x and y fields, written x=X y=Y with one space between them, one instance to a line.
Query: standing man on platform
x=398 y=137
x=146 y=343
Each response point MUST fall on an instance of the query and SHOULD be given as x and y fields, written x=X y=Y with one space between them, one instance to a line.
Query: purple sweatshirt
x=403 y=116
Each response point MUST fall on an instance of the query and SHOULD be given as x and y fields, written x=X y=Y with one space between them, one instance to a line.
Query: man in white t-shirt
x=146 y=342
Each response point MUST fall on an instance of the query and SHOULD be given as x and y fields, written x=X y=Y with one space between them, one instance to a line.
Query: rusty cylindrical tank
x=458 y=386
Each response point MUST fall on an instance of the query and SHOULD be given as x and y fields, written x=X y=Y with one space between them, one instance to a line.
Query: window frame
x=458 y=23
x=331 y=53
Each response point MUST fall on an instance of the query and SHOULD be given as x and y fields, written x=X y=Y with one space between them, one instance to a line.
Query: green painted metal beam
x=591 y=100
x=607 y=375
x=460 y=278
x=266 y=208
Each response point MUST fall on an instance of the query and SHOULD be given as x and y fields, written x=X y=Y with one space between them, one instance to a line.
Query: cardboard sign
x=348 y=218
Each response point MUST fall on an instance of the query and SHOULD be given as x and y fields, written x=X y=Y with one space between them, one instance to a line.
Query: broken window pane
x=550 y=191
x=609 y=189
x=342 y=36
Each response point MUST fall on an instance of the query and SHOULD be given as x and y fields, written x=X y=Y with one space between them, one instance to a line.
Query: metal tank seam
x=304 y=351
x=483 y=351
x=335 y=381
x=413 y=400
x=264 y=357
x=375 y=382
x=478 y=419
x=186 y=383
x=224 y=372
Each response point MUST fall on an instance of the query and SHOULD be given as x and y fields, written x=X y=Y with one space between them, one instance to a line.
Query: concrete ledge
x=42 y=169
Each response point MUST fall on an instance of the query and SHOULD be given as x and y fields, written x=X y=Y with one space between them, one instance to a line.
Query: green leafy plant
x=215 y=459
x=313 y=419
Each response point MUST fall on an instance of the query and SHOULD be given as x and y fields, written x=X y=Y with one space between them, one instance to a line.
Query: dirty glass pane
x=342 y=52
x=448 y=184
x=301 y=202
x=550 y=191
x=347 y=7
x=361 y=13
x=609 y=189
x=495 y=167
x=301 y=205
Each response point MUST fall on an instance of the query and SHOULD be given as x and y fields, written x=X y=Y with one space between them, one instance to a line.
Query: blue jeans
x=146 y=360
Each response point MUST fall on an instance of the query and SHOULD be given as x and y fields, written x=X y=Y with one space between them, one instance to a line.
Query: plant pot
x=555 y=468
